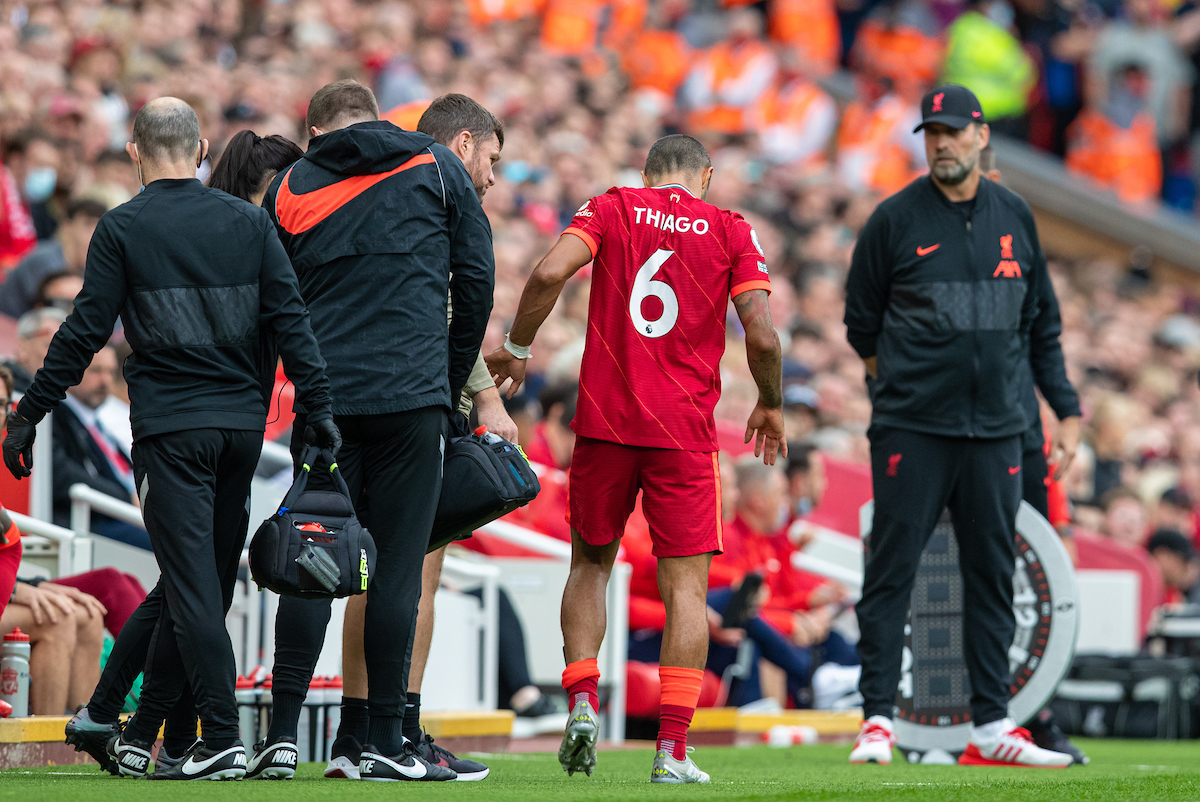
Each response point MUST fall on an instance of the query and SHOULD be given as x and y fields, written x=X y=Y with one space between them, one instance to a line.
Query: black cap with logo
x=952 y=105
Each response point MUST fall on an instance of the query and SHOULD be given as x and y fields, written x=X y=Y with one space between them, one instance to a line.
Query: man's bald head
x=166 y=130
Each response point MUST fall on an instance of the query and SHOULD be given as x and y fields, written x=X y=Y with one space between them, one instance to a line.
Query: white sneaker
x=669 y=770
x=835 y=687
x=874 y=742
x=1012 y=747
x=578 y=749
x=342 y=768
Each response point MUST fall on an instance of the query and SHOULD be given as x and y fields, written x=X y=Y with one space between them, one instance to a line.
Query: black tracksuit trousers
x=195 y=494
x=915 y=476
x=394 y=463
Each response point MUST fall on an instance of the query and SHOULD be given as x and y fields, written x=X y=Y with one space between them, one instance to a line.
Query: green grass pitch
x=1120 y=770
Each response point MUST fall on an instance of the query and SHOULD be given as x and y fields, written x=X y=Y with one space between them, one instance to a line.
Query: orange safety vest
x=790 y=105
x=726 y=63
x=869 y=156
x=407 y=115
x=626 y=20
x=811 y=28
x=569 y=27
x=1126 y=161
x=657 y=60
x=911 y=58
x=484 y=12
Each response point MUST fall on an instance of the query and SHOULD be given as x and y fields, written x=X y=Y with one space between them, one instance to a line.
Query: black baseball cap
x=952 y=105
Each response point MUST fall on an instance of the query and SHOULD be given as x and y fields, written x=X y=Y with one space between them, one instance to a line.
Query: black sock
x=412 y=718
x=285 y=716
x=384 y=734
x=355 y=719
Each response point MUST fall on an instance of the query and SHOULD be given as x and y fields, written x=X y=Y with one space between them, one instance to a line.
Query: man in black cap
x=941 y=304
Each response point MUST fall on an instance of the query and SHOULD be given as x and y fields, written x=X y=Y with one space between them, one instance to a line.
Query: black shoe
x=203 y=763
x=343 y=759
x=274 y=762
x=406 y=766
x=164 y=761
x=131 y=757
x=92 y=737
x=1048 y=735
x=544 y=706
x=434 y=755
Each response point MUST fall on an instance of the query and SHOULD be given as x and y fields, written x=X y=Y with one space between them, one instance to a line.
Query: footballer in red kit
x=664 y=265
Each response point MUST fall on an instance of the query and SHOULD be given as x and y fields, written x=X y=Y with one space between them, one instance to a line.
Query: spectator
x=85 y=453
x=1141 y=37
x=35 y=330
x=801 y=406
x=729 y=79
x=33 y=158
x=656 y=58
x=1176 y=557
x=1124 y=517
x=796 y=118
x=1116 y=145
x=899 y=40
x=552 y=440
x=808 y=33
x=65 y=252
x=983 y=55
x=806 y=481
x=877 y=150
x=59 y=291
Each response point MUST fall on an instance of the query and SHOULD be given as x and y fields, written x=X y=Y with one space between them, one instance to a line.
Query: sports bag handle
x=311 y=453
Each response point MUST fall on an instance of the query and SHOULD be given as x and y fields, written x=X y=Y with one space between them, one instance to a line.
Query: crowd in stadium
x=802 y=147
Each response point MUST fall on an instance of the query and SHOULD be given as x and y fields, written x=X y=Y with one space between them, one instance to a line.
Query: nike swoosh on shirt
x=920 y=251
x=299 y=213
x=192 y=766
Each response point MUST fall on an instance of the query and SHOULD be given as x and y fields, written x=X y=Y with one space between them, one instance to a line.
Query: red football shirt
x=666 y=264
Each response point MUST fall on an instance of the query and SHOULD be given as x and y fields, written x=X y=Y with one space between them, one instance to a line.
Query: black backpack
x=314 y=547
x=483 y=477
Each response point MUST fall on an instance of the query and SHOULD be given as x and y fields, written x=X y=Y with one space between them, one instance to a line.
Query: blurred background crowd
x=807 y=107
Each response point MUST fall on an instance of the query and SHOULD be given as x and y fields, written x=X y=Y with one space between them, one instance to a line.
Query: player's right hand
x=766 y=427
x=504 y=366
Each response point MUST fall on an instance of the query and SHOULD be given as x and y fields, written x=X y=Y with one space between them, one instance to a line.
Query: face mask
x=40 y=183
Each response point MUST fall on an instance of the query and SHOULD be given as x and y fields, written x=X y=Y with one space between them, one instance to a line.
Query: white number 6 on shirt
x=643 y=287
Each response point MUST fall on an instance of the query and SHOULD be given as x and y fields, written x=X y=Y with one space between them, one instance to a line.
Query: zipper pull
x=968 y=225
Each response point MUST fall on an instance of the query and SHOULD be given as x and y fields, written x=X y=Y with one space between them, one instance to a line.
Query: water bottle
x=14 y=672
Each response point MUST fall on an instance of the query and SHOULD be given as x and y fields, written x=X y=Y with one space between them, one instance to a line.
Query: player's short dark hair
x=86 y=207
x=450 y=115
x=987 y=159
x=341 y=100
x=677 y=153
x=166 y=131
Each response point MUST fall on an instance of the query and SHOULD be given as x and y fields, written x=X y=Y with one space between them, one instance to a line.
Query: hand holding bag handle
x=311 y=453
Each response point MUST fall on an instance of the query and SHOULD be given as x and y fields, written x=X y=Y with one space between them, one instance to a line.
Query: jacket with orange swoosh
x=950 y=299
x=382 y=225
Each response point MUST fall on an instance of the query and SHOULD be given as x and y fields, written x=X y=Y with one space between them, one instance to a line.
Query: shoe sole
x=579 y=744
x=976 y=761
x=472 y=776
x=339 y=774
x=273 y=773
x=341 y=771
x=405 y=780
x=77 y=740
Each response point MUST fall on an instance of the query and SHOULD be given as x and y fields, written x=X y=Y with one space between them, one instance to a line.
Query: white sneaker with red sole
x=874 y=742
x=1012 y=747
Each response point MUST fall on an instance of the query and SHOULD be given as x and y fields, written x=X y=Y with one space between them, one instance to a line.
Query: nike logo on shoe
x=927 y=250
x=415 y=772
x=192 y=767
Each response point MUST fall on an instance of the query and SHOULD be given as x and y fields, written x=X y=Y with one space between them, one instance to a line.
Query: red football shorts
x=681 y=495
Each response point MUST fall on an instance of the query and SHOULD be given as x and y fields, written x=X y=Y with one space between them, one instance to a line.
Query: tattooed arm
x=766 y=364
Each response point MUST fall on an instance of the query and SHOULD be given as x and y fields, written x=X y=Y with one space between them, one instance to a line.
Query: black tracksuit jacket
x=381 y=224
x=956 y=306
x=201 y=284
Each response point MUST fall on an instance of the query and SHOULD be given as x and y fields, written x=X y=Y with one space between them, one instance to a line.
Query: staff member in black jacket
x=197 y=277
x=381 y=225
x=941 y=303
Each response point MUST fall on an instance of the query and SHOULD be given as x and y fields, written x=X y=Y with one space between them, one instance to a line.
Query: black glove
x=18 y=444
x=322 y=434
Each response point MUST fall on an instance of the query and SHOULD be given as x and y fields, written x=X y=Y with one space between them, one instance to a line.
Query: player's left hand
x=503 y=366
x=1064 y=445
x=493 y=415
x=766 y=427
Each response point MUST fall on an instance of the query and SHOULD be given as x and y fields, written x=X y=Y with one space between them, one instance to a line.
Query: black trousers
x=195 y=494
x=915 y=476
x=394 y=463
x=1034 y=470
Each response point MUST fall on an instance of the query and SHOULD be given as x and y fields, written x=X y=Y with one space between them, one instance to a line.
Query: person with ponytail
x=250 y=162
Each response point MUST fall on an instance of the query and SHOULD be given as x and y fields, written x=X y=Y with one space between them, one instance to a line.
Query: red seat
x=1097 y=552
x=643 y=689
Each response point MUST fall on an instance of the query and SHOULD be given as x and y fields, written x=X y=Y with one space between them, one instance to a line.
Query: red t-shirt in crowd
x=665 y=264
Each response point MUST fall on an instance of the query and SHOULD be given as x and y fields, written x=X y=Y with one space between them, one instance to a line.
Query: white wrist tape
x=519 y=351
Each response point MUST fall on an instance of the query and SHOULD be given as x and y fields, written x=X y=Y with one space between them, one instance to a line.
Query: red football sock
x=680 y=692
x=580 y=680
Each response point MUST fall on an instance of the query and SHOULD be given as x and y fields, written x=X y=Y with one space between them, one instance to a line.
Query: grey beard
x=954 y=175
